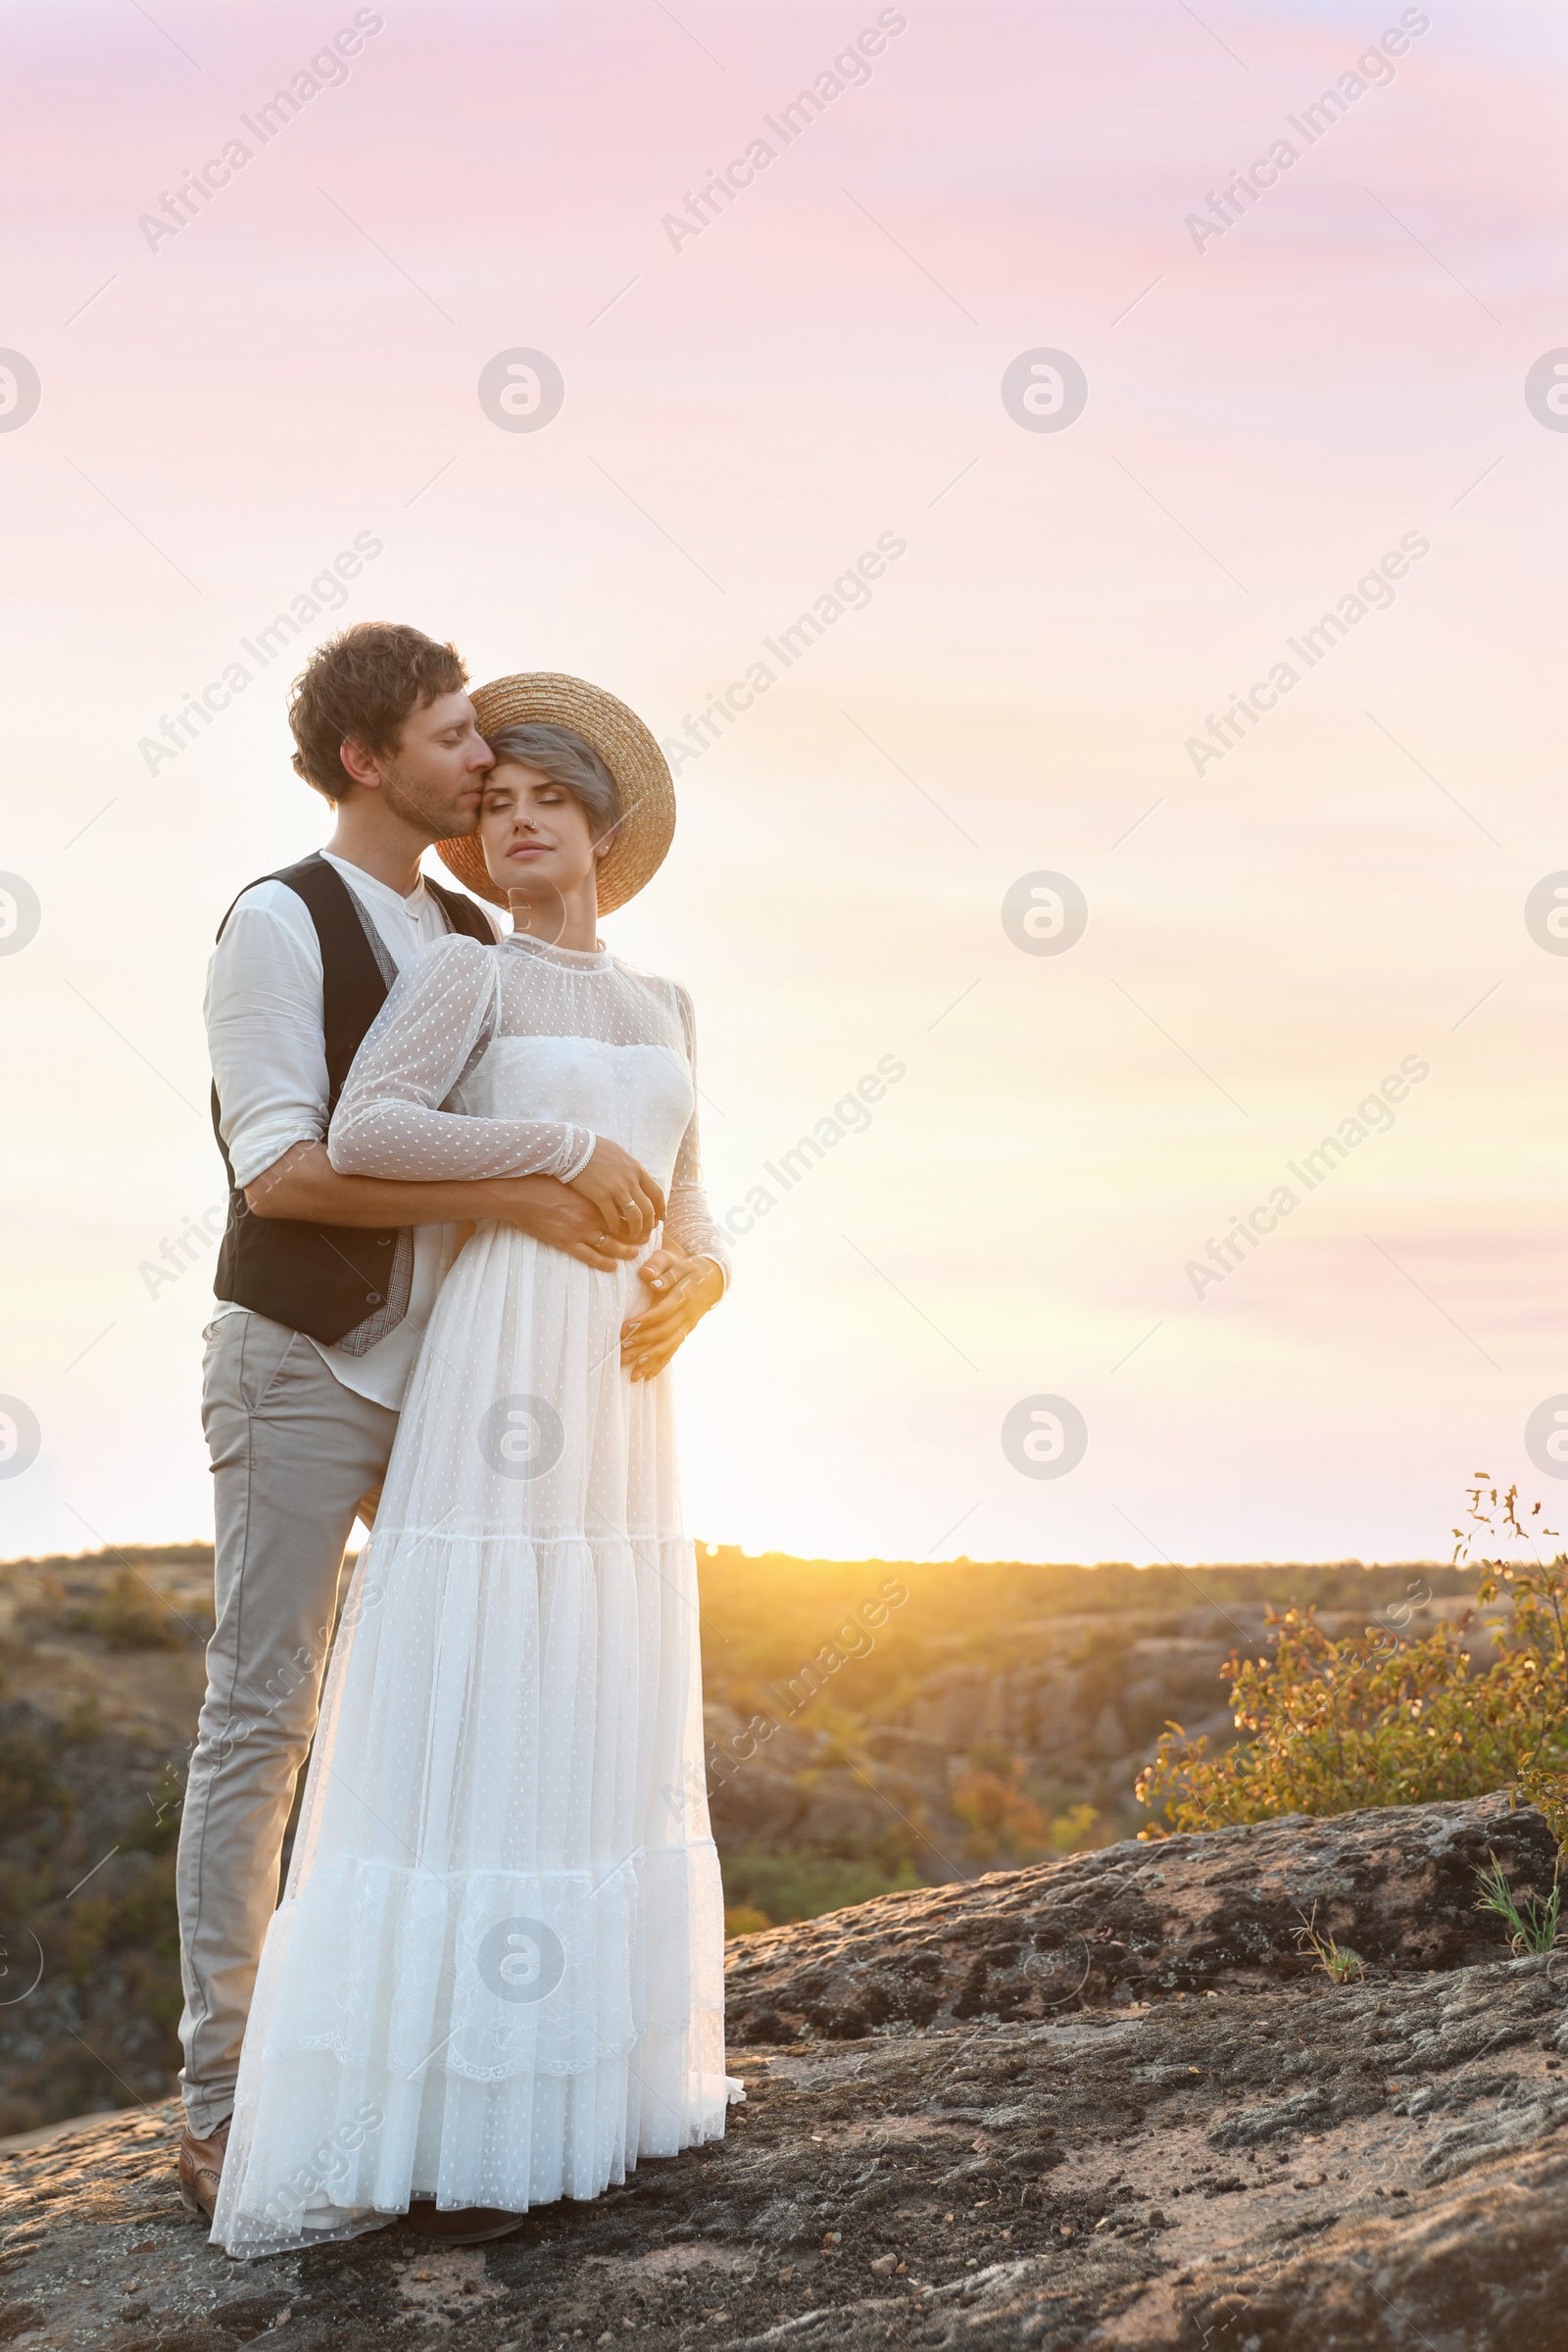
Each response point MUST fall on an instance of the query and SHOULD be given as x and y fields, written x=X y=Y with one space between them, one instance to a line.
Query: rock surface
x=1139 y=1922
x=1195 y=2146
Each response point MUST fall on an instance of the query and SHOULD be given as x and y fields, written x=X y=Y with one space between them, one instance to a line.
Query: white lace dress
x=496 y=1975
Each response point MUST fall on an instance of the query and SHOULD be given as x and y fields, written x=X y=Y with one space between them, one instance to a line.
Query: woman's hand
x=682 y=1290
x=628 y=1201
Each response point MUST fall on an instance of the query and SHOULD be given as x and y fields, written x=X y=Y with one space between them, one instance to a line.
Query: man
x=324 y=1284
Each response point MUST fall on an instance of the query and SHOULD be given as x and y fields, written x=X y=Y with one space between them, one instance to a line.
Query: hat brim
x=643 y=780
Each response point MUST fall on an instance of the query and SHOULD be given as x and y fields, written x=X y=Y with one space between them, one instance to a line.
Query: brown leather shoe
x=468 y=2226
x=201 y=2167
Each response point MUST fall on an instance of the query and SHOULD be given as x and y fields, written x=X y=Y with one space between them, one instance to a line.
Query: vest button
x=372 y=1298
x=384 y=1241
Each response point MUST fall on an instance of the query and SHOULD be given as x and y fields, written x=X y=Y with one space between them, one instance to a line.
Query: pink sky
x=743 y=417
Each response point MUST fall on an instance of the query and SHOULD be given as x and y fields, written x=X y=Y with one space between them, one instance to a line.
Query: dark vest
x=324 y=1281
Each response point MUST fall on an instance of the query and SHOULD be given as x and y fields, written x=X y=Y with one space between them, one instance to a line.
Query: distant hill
x=997 y=1713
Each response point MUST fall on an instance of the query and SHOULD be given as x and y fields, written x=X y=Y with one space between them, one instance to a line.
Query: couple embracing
x=467 y=1234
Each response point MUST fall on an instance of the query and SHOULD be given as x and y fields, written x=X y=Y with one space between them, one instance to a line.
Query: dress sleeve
x=689 y=1220
x=389 y=1120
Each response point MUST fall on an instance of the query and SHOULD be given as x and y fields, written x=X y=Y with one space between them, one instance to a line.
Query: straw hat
x=626 y=748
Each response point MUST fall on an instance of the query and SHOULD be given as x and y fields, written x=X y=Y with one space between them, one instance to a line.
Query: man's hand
x=304 y=1186
x=624 y=1198
x=683 y=1289
x=561 y=1217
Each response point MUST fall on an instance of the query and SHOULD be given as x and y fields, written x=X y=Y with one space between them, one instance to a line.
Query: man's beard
x=421 y=808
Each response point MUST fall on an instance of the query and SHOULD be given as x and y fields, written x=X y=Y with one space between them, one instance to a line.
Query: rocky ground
x=1108 y=2101
x=870 y=1726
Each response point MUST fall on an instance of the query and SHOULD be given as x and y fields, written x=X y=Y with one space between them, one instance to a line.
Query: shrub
x=1004 y=1822
x=1376 y=1720
x=132 y=1616
x=29 y=1787
x=786 y=1884
x=128 y=1613
x=1076 y=1831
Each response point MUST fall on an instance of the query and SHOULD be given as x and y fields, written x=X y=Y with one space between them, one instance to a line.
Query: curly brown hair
x=364 y=682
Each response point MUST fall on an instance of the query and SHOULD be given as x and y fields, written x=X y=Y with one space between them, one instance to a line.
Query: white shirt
x=267 y=1037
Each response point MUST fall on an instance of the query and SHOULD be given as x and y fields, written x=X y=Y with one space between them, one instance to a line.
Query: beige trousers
x=294 y=1455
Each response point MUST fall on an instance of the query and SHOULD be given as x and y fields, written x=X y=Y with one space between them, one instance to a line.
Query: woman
x=496 y=1977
